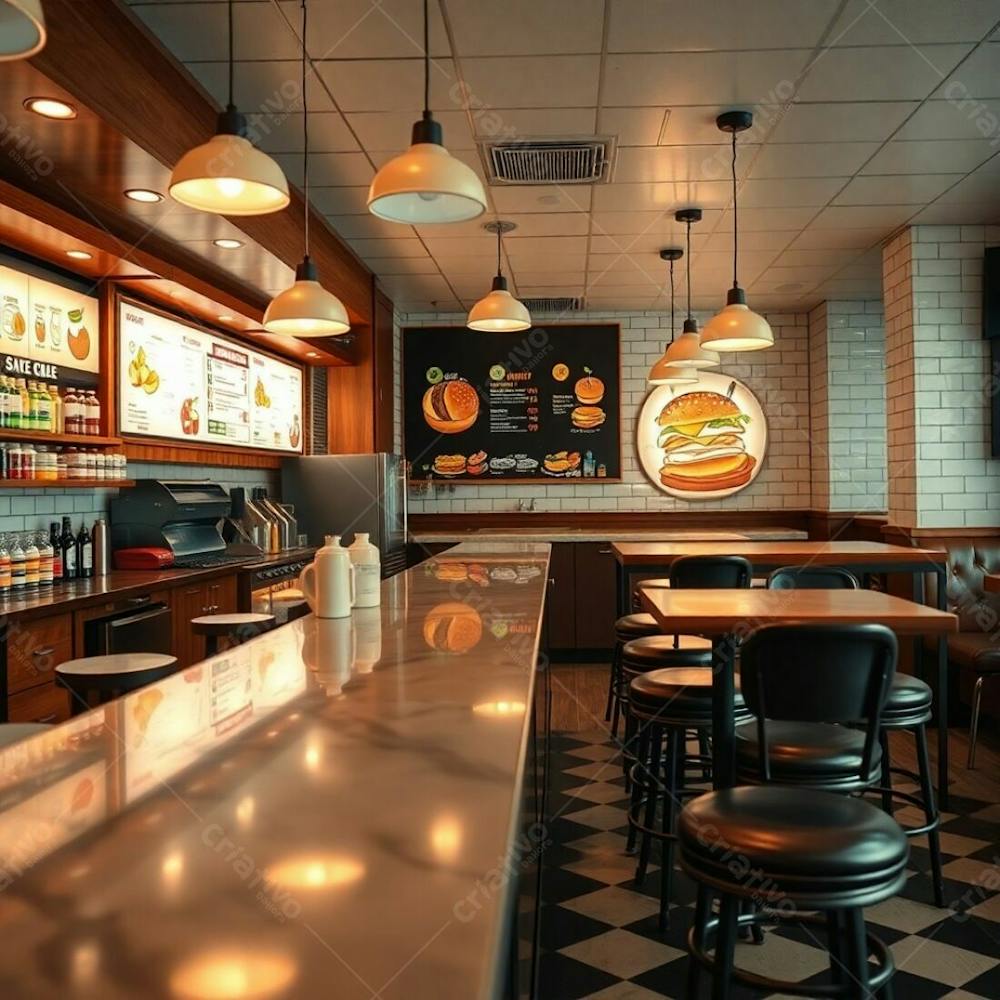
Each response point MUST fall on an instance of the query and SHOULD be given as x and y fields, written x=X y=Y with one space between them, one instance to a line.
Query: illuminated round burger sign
x=702 y=442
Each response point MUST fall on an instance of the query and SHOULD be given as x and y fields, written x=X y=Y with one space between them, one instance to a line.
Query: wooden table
x=726 y=614
x=991 y=583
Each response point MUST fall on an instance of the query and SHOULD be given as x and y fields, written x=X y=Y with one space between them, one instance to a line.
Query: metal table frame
x=722 y=646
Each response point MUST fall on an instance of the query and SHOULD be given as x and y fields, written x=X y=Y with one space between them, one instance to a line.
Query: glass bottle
x=93 y=413
x=67 y=543
x=84 y=552
x=45 y=561
x=71 y=409
x=57 y=563
x=4 y=565
x=56 y=403
x=27 y=462
x=31 y=558
x=15 y=410
x=4 y=404
x=16 y=563
x=27 y=424
x=44 y=408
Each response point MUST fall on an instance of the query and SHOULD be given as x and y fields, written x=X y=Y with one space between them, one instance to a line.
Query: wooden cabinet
x=596 y=595
x=44 y=703
x=560 y=608
x=216 y=597
x=35 y=649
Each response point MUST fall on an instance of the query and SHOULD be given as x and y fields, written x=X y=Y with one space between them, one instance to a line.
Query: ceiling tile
x=902 y=189
x=789 y=192
x=467 y=264
x=404 y=247
x=981 y=188
x=857 y=121
x=913 y=22
x=340 y=200
x=758 y=239
x=282 y=133
x=500 y=124
x=532 y=81
x=837 y=239
x=878 y=73
x=885 y=217
x=640 y=164
x=554 y=224
x=556 y=278
x=816 y=159
x=730 y=78
x=763 y=219
x=368 y=226
x=527 y=27
x=663 y=196
x=538 y=245
x=650 y=279
x=542 y=262
x=402 y=265
x=444 y=245
x=266 y=87
x=391 y=129
x=648 y=263
x=931 y=156
x=640 y=126
x=541 y=198
x=639 y=25
x=977 y=77
x=970 y=213
x=328 y=169
x=390 y=85
x=971 y=119
x=661 y=223
x=805 y=258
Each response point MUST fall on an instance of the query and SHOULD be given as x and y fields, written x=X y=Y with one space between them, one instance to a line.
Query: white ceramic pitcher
x=328 y=581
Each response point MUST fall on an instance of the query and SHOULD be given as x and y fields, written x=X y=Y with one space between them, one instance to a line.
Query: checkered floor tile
x=600 y=938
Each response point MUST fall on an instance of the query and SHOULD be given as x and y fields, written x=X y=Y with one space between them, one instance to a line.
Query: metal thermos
x=101 y=539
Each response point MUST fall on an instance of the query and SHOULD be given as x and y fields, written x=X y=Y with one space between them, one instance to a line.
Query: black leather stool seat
x=909 y=703
x=659 y=651
x=635 y=626
x=813 y=847
x=679 y=696
x=816 y=754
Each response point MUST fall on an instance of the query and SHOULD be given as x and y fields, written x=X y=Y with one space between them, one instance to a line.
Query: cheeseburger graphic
x=701 y=434
x=451 y=407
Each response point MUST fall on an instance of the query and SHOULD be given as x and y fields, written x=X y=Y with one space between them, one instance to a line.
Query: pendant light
x=499 y=312
x=737 y=327
x=22 y=29
x=426 y=184
x=228 y=175
x=306 y=309
x=664 y=372
x=686 y=350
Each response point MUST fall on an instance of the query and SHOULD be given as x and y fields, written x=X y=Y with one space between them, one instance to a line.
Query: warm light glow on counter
x=446 y=838
x=316 y=871
x=233 y=975
x=499 y=709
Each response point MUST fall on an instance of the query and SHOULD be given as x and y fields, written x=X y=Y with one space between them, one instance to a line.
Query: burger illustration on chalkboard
x=451 y=407
x=703 y=444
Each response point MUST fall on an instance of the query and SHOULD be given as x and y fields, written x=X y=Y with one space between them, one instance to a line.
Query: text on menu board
x=47 y=330
x=496 y=406
x=179 y=381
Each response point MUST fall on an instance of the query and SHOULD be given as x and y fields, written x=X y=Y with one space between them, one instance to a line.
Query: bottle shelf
x=43 y=437
x=64 y=484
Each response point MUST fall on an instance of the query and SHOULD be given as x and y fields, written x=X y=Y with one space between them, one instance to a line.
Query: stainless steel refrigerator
x=345 y=494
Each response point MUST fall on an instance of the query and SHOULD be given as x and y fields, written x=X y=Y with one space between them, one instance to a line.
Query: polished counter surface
x=527 y=533
x=327 y=810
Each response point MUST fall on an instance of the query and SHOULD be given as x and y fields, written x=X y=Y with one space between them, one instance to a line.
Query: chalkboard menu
x=542 y=405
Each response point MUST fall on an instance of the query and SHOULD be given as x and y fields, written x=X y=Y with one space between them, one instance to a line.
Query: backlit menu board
x=47 y=331
x=539 y=405
x=182 y=382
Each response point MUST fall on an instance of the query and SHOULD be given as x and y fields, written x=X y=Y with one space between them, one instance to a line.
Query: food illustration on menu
x=47 y=322
x=178 y=381
x=543 y=408
x=705 y=443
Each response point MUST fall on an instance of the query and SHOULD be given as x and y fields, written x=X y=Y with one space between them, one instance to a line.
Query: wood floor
x=580 y=691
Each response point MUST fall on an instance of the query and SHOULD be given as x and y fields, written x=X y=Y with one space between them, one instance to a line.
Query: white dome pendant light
x=228 y=175
x=306 y=309
x=736 y=327
x=664 y=372
x=686 y=350
x=499 y=312
x=426 y=184
x=22 y=29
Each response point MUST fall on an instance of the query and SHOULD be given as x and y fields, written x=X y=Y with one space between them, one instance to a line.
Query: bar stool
x=235 y=628
x=907 y=708
x=666 y=705
x=14 y=732
x=635 y=626
x=94 y=680
x=806 y=849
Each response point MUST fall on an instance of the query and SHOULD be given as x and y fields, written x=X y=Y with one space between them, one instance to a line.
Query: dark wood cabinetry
x=580 y=612
x=217 y=597
x=560 y=608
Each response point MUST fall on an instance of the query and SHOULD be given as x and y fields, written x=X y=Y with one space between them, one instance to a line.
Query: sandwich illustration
x=701 y=434
x=451 y=407
x=587 y=417
x=450 y=465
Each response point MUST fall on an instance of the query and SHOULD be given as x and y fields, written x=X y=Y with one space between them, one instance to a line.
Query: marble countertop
x=543 y=534
x=326 y=810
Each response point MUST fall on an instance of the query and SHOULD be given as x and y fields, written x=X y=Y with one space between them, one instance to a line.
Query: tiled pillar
x=941 y=474
x=847 y=406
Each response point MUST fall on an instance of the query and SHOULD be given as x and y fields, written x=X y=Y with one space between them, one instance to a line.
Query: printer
x=179 y=515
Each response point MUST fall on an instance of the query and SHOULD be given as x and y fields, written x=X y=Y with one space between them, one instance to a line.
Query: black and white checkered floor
x=599 y=931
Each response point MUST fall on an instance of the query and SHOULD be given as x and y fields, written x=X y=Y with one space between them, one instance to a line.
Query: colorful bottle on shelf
x=30 y=562
x=57 y=409
x=93 y=415
x=15 y=409
x=16 y=563
x=67 y=544
x=84 y=553
x=4 y=566
x=45 y=561
x=71 y=412
x=57 y=563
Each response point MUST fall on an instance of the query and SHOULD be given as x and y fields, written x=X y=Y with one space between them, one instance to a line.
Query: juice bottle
x=57 y=566
x=16 y=563
x=27 y=420
x=45 y=568
x=55 y=405
x=15 y=410
x=4 y=405
x=4 y=566
x=30 y=562
x=44 y=408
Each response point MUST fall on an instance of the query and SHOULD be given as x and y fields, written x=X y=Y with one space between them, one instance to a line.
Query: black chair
x=907 y=708
x=710 y=572
x=804 y=850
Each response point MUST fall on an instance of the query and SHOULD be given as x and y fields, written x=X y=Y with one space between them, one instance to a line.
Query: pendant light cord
x=427 y=61
x=231 y=54
x=736 y=227
x=689 y=316
x=305 y=124
x=673 y=326
x=499 y=239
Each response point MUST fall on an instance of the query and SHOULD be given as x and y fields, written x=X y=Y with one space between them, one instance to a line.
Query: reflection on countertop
x=530 y=532
x=321 y=811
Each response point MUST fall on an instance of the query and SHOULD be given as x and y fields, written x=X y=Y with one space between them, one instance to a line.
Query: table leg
x=942 y=696
x=623 y=597
x=918 y=640
x=723 y=726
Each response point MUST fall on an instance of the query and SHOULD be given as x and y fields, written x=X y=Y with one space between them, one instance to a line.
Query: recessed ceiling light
x=49 y=107
x=225 y=318
x=144 y=195
x=227 y=244
x=311 y=354
x=79 y=254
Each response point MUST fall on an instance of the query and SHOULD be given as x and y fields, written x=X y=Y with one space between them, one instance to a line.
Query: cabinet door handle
x=604 y=552
x=552 y=581
x=193 y=590
x=140 y=600
x=43 y=651
x=51 y=717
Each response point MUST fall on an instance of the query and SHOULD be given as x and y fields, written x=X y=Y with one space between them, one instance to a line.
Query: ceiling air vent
x=566 y=303
x=550 y=161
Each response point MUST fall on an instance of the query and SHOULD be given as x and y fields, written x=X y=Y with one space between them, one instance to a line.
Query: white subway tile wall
x=24 y=510
x=941 y=473
x=779 y=377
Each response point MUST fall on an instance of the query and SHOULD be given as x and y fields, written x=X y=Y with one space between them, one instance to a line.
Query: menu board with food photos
x=539 y=405
x=179 y=381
